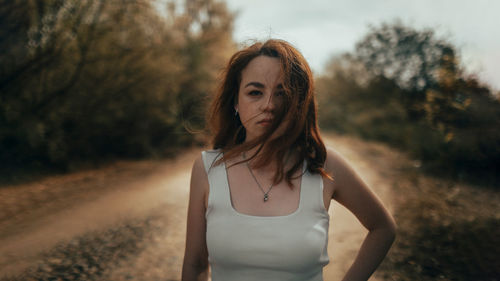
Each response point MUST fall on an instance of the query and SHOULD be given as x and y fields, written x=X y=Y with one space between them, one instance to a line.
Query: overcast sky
x=322 y=28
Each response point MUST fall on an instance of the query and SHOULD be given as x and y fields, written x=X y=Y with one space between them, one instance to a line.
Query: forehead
x=263 y=69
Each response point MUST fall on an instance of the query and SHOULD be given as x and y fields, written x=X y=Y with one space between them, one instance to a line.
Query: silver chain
x=266 y=194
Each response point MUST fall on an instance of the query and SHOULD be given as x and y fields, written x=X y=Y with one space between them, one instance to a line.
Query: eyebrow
x=255 y=84
x=260 y=85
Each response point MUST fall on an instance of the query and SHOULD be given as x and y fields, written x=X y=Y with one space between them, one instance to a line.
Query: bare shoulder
x=334 y=160
x=199 y=179
x=336 y=165
x=343 y=174
x=333 y=164
x=198 y=167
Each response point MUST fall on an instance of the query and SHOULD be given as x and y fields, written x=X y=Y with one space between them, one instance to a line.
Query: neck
x=272 y=165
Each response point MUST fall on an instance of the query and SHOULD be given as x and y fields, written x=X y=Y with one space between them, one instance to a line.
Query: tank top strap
x=218 y=194
x=209 y=158
x=312 y=191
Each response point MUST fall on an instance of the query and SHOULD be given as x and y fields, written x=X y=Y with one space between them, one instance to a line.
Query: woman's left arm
x=352 y=192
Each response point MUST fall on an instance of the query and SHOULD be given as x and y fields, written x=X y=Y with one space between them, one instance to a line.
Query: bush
x=449 y=122
x=88 y=81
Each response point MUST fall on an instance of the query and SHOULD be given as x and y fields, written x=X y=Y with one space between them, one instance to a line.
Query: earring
x=235 y=112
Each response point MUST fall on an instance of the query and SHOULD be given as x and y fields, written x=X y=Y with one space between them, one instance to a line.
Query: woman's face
x=260 y=95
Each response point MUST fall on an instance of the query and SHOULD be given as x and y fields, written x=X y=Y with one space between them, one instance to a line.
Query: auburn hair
x=301 y=134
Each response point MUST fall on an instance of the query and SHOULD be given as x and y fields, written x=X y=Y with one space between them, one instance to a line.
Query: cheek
x=245 y=109
x=245 y=115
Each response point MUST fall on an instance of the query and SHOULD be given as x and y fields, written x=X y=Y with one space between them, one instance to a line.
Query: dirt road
x=40 y=223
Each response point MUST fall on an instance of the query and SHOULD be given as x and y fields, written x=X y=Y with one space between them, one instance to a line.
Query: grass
x=447 y=231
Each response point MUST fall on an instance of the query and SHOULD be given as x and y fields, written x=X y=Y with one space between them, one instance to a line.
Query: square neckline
x=233 y=209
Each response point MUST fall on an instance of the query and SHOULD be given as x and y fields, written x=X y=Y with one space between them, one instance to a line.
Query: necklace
x=266 y=194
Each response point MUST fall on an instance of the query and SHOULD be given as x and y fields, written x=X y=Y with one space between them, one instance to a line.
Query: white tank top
x=257 y=248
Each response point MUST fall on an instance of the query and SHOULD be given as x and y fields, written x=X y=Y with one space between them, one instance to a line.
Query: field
x=126 y=221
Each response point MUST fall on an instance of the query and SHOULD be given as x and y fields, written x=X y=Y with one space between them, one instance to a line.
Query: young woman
x=258 y=206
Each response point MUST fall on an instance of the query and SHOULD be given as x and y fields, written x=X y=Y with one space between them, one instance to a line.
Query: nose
x=268 y=103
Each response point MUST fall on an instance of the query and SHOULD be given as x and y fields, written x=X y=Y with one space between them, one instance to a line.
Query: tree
x=410 y=57
x=93 y=79
x=206 y=28
x=408 y=88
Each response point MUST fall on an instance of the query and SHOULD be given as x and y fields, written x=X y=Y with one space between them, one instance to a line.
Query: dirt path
x=36 y=217
x=377 y=166
x=96 y=200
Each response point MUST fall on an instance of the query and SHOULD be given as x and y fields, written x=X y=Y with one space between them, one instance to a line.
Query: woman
x=258 y=207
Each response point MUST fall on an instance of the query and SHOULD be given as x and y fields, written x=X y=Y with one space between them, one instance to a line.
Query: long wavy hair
x=299 y=110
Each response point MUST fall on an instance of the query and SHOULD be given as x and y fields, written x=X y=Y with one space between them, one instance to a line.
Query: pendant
x=266 y=197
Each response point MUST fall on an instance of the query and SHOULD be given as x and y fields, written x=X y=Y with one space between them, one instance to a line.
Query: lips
x=265 y=121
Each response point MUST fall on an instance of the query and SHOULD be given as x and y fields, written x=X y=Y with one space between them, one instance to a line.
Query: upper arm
x=196 y=253
x=354 y=194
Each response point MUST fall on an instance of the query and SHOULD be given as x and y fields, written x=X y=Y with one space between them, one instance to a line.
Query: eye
x=280 y=93
x=254 y=93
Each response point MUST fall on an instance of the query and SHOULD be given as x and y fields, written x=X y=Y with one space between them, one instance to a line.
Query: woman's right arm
x=195 y=266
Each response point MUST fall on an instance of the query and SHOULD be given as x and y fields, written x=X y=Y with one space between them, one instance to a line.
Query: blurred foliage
x=462 y=250
x=407 y=87
x=446 y=231
x=90 y=80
